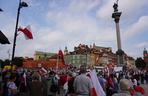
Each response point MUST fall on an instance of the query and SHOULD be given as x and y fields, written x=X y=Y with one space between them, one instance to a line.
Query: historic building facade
x=90 y=55
x=44 y=59
x=94 y=55
x=50 y=63
x=82 y=54
x=42 y=55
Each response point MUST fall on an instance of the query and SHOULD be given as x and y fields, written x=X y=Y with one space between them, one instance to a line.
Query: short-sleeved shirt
x=11 y=86
x=82 y=84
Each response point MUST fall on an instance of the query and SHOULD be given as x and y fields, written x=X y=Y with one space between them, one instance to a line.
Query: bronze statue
x=115 y=6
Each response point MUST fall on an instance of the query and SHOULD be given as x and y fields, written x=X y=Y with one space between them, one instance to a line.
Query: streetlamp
x=116 y=15
x=21 y=5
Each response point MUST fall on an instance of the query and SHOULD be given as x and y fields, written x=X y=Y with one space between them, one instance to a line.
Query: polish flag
x=43 y=71
x=27 y=32
x=97 y=89
x=61 y=56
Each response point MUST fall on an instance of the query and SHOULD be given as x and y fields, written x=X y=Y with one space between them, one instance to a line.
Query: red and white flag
x=61 y=56
x=43 y=71
x=27 y=32
x=97 y=89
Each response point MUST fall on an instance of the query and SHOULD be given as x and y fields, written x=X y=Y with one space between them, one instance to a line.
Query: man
x=125 y=86
x=82 y=83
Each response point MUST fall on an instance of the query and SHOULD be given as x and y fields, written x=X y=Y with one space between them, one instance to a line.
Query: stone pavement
x=145 y=86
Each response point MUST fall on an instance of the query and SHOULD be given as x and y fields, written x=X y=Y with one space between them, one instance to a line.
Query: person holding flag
x=60 y=56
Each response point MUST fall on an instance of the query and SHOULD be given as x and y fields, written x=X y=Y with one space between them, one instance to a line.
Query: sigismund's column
x=116 y=15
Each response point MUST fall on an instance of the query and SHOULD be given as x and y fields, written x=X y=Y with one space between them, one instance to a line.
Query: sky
x=59 y=23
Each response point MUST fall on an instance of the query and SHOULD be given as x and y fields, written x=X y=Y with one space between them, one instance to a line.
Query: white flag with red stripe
x=98 y=90
x=27 y=32
x=43 y=71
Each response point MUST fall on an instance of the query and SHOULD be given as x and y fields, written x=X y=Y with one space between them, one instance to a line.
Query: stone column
x=116 y=15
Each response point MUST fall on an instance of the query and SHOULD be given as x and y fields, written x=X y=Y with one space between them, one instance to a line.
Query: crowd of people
x=72 y=81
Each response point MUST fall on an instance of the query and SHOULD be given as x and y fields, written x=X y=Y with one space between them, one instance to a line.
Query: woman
x=36 y=87
x=12 y=88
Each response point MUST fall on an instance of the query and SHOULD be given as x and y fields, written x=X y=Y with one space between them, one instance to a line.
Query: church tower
x=145 y=52
x=65 y=50
x=145 y=56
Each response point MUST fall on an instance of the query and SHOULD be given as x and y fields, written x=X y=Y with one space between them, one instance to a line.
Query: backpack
x=54 y=85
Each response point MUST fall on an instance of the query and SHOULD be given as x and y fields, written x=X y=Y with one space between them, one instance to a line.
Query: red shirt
x=62 y=80
x=139 y=89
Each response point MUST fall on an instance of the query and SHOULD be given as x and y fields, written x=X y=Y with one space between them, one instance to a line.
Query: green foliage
x=18 y=61
x=1 y=63
x=5 y=62
x=140 y=63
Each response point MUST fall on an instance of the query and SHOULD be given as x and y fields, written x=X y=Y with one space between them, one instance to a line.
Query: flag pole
x=57 y=65
x=15 y=33
x=21 y=5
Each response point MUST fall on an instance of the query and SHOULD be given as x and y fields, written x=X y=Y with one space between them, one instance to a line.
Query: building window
x=73 y=61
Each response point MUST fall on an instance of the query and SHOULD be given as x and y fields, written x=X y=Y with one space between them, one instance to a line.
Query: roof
x=100 y=47
x=44 y=63
x=42 y=53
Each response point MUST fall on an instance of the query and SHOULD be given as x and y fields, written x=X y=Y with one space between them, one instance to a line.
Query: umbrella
x=3 y=38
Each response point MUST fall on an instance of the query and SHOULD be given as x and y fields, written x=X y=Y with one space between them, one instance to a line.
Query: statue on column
x=115 y=6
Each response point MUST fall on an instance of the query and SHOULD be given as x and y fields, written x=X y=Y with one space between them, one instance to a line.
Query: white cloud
x=75 y=22
x=128 y=7
x=83 y=28
x=137 y=27
x=142 y=45
x=80 y=6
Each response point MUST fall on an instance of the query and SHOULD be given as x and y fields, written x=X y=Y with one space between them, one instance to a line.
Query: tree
x=1 y=63
x=140 y=63
x=6 y=62
x=18 y=61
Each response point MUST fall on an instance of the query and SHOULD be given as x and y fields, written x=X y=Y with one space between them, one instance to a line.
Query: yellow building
x=42 y=55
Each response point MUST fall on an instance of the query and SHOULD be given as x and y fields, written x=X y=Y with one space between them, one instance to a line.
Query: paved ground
x=145 y=86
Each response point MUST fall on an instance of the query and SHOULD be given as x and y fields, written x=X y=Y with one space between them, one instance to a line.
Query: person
x=6 y=79
x=134 y=82
x=110 y=85
x=12 y=88
x=115 y=81
x=36 y=86
x=102 y=81
x=23 y=86
x=63 y=83
x=82 y=83
x=124 y=85
x=70 y=84
x=53 y=84
x=139 y=91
